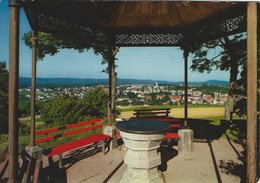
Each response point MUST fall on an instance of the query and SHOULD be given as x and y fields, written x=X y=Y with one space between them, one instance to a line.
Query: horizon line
x=120 y=78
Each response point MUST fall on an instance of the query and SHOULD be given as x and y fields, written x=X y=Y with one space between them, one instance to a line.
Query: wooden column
x=33 y=85
x=13 y=90
x=186 y=54
x=112 y=86
x=109 y=110
x=251 y=91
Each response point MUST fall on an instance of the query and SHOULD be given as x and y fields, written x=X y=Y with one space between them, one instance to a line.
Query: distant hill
x=216 y=82
x=73 y=82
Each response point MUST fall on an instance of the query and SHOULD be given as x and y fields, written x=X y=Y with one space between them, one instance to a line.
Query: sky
x=156 y=63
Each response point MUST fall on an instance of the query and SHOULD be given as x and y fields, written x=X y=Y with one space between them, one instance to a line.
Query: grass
x=131 y=108
x=3 y=142
x=193 y=112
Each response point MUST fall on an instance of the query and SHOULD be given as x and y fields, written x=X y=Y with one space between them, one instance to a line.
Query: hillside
x=73 y=82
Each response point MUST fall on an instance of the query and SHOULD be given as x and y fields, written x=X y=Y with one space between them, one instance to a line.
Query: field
x=178 y=112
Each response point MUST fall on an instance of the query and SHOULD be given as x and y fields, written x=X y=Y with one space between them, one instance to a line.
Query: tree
x=231 y=55
x=131 y=95
x=70 y=109
x=50 y=44
x=3 y=98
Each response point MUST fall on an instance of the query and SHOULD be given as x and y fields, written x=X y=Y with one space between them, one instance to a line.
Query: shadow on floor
x=113 y=172
x=204 y=130
x=167 y=153
x=229 y=166
x=53 y=174
x=79 y=154
x=241 y=125
x=214 y=162
x=240 y=129
x=233 y=168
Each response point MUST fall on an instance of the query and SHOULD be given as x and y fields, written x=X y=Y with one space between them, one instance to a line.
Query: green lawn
x=131 y=108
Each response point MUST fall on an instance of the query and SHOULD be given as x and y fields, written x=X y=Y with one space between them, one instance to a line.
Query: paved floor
x=217 y=161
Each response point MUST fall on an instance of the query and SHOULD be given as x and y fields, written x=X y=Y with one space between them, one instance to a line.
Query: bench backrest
x=152 y=112
x=66 y=130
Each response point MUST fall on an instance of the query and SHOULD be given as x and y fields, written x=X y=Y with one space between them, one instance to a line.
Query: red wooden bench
x=48 y=135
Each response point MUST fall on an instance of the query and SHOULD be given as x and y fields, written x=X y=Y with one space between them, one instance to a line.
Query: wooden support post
x=109 y=106
x=137 y=114
x=186 y=54
x=33 y=86
x=13 y=90
x=112 y=86
x=251 y=91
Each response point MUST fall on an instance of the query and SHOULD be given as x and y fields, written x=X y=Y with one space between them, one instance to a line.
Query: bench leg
x=60 y=161
x=50 y=160
x=95 y=147
x=103 y=146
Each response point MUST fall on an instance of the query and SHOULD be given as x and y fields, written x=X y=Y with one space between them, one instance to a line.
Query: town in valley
x=140 y=94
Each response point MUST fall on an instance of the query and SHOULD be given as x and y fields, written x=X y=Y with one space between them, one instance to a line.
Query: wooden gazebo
x=124 y=24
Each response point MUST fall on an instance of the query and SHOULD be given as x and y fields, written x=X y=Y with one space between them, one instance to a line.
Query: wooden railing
x=4 y=162
x=30 y=169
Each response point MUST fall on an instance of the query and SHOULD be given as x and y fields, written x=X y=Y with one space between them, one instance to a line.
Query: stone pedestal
x=111 y=131
x=185 y=142
x=34 y=151
x=142 y=158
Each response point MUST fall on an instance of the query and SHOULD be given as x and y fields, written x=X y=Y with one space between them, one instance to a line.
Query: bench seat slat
x=175 y=125
x=65 y=134
x=171 y=136
x=75 y=144
x=52 y=130
x=152 y=112
x=143 y=113
x=139 y=110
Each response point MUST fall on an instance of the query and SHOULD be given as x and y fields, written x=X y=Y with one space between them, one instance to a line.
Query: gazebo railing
x=4 y=160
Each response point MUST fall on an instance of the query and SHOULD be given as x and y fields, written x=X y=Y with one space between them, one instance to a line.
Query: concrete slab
x=210 y=162
x=97 y=168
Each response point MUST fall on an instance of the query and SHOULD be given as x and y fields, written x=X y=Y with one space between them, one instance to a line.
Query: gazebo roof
x=145 y=23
